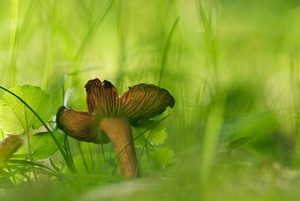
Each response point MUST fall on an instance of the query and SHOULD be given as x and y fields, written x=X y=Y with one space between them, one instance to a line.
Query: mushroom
x=109 y=117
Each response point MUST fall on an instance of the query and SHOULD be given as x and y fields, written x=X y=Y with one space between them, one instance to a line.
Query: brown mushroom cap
x=80 y=125
x=101 y=98
x=142 y=101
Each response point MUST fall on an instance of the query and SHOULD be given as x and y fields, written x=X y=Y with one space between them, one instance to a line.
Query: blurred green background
x=232 y=66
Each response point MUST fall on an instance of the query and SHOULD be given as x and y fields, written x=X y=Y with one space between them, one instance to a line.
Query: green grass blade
x=93 y=28
x=166 y=51
x=13 y=41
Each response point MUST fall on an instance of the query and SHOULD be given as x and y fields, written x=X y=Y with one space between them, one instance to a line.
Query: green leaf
x=162 y=157
x=16 y=117
x=155 y=133
x=140 y=140
x=43 y=145
x=9 y=123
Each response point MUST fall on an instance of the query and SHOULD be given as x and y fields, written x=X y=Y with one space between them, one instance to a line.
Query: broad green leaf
x=162 y=157
x=43 y=146
x=155 y=133
x=9 y=123
x=15 y=117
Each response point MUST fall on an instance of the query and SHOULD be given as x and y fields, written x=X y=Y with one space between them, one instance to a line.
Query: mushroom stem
x=119 y=132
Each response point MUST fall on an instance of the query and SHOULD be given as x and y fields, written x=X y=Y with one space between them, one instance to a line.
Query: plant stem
x=30 y=157
x=119 y=132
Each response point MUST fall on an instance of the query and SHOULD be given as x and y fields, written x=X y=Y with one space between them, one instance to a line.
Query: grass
x=231 y=66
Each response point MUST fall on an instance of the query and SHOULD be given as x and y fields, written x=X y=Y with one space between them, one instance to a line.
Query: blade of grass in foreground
x=211 y=135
